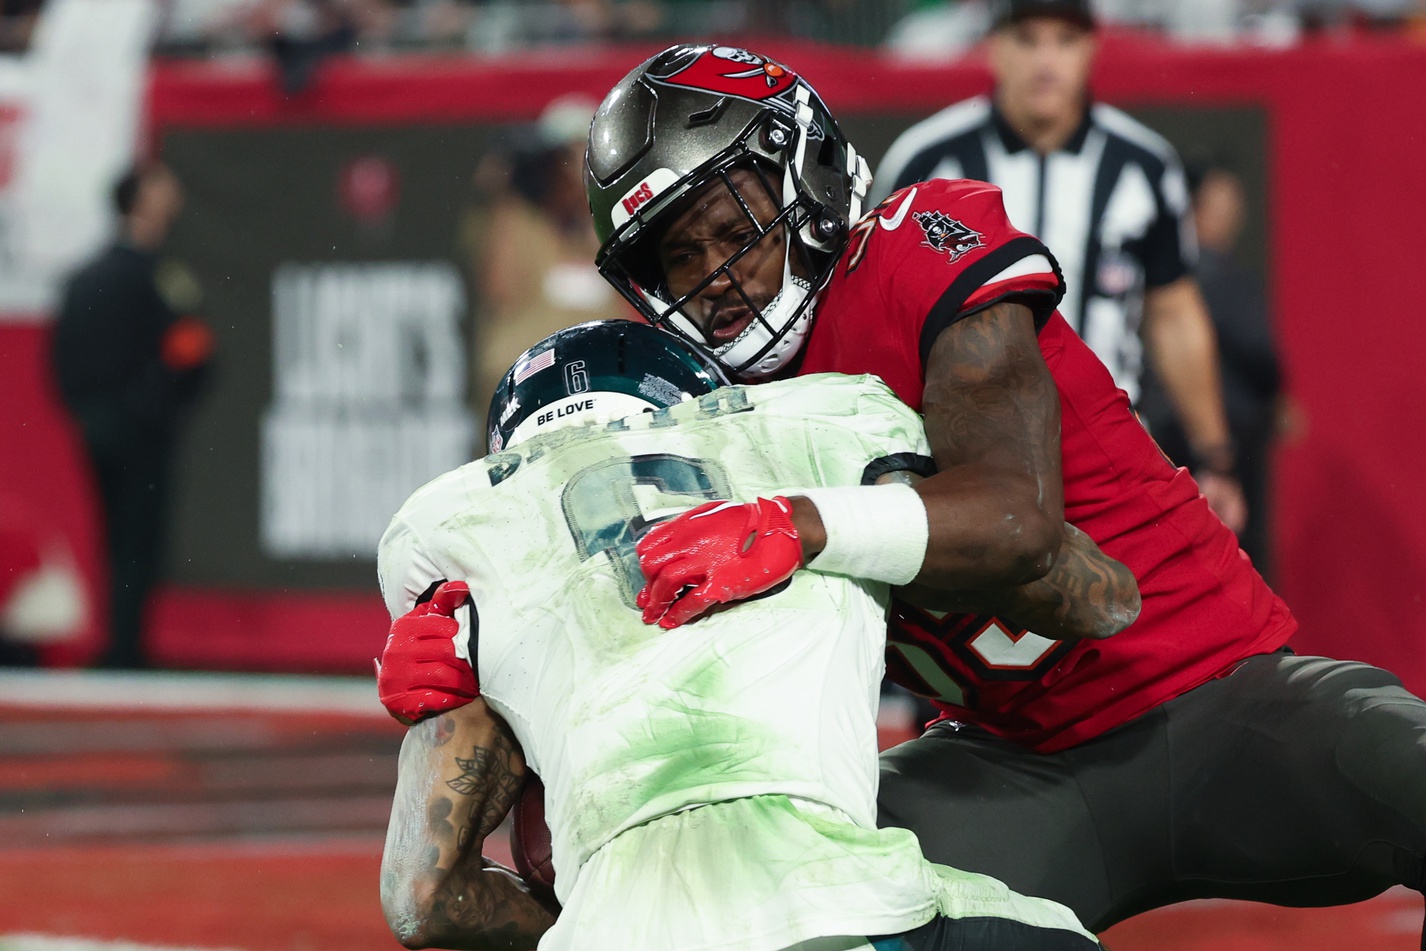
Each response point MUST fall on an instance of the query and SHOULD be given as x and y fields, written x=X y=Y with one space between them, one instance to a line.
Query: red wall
x=41 y=462
x=1347 y=205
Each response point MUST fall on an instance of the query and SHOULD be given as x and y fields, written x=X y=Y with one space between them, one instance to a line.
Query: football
x=530 y=838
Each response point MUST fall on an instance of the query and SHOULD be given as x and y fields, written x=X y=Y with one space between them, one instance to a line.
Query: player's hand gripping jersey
x=927 y=256
x=766 y=710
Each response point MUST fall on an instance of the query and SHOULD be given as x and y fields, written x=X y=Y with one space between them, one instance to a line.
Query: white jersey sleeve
x=405 y=569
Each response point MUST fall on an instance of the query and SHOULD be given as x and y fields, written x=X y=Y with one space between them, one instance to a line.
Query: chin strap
x=788 y=340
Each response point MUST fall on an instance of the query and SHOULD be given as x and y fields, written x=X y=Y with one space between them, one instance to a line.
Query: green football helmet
x=596 y=372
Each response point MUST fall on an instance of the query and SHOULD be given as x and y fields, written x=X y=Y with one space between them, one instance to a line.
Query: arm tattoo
x=993 y=420
x=991 y=392
x=1086 y=594
x=491 y=774
x=437 y=889
x=465 y=784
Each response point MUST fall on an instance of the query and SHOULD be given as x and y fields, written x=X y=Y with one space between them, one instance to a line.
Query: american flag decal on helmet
x=540 y=361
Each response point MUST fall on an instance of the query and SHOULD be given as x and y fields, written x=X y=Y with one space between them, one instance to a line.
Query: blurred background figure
x=532 y=252
x=309 y=30
x=1247 y=352
x=128 y=365
x=302 y=33
x=937 y=29
x=17 y=22
x=1121 y=241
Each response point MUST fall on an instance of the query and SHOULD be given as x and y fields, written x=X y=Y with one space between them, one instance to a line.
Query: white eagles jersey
x=767 y=709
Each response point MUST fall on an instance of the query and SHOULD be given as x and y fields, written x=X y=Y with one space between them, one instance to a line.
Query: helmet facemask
x=762 y=170
x=779 y=315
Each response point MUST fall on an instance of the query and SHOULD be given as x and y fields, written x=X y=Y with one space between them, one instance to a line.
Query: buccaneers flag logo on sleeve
x=729 y=71
x=945 y=233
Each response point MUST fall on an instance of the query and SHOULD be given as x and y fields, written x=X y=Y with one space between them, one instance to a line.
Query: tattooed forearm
x=491 y=778
x=993 y=419
x=458 y=777
x=1086 y=594
x=487 y=907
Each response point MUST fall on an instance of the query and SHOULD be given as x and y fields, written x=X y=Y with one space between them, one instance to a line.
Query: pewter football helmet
x=681 y=122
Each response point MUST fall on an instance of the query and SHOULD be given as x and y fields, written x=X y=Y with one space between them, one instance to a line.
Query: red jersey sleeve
x=953 y=252
x=928 y=256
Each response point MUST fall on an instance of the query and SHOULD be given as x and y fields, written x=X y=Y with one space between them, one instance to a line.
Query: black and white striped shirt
x=1110 y=204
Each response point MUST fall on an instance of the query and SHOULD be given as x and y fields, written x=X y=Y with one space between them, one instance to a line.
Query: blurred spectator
x=1318 y=14
x=439 y=23
x=533 y=252
x=912 y=28
x=128 y=365
x=305 y=31
x=302 y=33
x=17 y=23
x=935 y=29
x=848 y=22
x=502 y=25
x=1248 y=357
x=1122 y=245
x=198 y=27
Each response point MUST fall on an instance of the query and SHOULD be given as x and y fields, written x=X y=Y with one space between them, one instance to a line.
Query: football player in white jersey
x=713 y=787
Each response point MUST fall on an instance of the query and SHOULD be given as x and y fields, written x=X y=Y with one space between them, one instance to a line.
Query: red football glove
x=419 y=674
x=727 y=551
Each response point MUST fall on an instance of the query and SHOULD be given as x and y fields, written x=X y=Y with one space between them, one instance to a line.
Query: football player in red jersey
x=1190 y=756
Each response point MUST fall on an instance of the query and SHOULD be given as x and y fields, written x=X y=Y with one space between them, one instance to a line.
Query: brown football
x=530 y=838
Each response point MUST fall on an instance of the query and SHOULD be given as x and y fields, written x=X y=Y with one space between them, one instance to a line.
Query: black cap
x=1076 y=11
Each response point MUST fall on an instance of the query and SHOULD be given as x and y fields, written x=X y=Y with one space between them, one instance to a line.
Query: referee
x=1108 y=197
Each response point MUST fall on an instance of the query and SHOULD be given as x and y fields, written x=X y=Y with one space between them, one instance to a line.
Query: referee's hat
x=1076 y=11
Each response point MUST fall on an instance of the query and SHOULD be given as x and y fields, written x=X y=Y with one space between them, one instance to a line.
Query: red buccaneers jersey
x=928 y=256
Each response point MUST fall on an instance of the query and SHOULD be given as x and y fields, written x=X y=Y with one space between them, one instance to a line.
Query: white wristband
x=877 y=532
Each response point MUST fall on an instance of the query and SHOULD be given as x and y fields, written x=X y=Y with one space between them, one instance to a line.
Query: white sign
x=369 y=382
x=69 y=117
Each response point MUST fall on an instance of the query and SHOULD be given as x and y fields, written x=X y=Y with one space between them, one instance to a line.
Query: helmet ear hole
x=776 y=134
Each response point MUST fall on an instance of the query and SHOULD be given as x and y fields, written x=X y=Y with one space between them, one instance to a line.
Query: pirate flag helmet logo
x=729 y=71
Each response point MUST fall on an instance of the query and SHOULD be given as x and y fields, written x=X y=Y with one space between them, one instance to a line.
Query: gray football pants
x=1294 y=780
